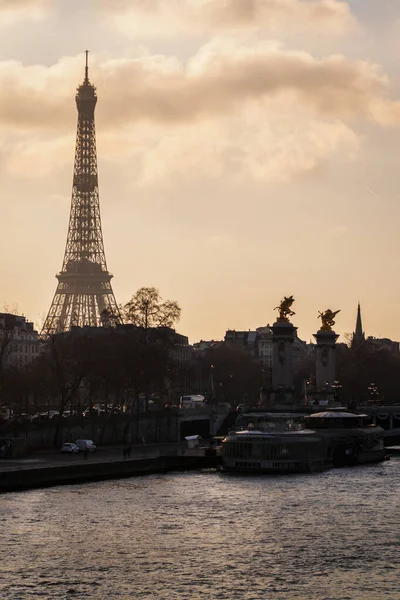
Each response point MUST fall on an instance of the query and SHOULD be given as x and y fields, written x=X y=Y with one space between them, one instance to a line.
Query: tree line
x=107 y=365
x=139 y=362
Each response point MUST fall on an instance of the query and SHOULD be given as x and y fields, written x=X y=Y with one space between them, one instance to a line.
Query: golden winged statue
x=327 y=318
x=284 y=309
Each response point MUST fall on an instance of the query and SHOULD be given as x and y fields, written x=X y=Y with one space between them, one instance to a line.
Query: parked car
x=93 y=412
x=86 y=445
x=69 y=447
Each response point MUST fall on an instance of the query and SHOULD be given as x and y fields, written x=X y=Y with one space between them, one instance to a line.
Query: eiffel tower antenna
x=84 y=296
x=87 y=66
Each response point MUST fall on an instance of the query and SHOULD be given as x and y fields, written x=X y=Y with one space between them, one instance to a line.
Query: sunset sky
x=247 y=149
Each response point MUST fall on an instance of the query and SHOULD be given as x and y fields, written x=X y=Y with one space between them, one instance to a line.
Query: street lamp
x=336 y=389
x=306 y=391
x=310 y=388
x=212 y=383
x=373 y=393
x=326 y=399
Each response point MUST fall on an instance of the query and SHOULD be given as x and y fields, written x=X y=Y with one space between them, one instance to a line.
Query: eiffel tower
x=84 y=296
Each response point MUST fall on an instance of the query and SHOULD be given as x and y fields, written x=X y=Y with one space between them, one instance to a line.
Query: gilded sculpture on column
x=284 y=309
x=327 y=318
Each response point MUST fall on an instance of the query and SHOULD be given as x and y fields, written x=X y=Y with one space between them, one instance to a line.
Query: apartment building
x=19 y=341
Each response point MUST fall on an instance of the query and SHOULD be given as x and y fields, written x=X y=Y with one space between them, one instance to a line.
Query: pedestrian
x=128 y=451
x=85 y=453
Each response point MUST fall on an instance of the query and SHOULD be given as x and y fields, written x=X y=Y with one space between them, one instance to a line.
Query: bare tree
x=154 y=319
x=234 y=374
x=147 y=309
x=68 y=366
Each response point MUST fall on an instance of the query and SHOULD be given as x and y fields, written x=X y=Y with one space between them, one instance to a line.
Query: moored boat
x=293 y=443
x=349 y=440
x=273 y=443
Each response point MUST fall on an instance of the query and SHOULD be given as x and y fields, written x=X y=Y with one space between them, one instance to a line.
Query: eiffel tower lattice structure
x=84 y=296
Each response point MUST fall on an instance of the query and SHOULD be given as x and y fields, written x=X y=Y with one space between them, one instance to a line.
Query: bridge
x=203 y=421
x=392 y=437
x=387 y=417
x=219 y=419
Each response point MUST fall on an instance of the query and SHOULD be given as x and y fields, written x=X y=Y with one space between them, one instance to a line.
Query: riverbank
x=38 y=476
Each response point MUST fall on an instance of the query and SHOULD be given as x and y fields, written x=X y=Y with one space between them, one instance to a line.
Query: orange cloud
x=220 y=80
x=165 y=18
x=238 y=148
x=15 y=10
x=259 y=112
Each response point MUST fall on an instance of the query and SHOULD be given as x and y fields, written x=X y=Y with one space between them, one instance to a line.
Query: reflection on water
x=206 y=535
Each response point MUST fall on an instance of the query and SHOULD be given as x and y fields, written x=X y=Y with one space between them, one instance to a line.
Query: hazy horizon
x=246 y=148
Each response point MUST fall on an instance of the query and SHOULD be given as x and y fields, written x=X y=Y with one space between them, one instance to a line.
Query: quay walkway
x=45 y=469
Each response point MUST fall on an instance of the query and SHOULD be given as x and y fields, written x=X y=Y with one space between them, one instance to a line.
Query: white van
x=192 y=401
x=86 y=444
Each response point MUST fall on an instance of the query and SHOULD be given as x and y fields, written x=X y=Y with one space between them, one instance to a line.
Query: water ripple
x=331 y=536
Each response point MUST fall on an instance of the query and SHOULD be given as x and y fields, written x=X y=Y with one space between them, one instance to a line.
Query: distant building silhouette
x=204 y=345
x=180 y=349
x=258 y=344
x=264 y=346
x=384 y=344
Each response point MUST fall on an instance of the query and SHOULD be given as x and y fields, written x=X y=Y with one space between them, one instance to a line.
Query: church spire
x=358 y=335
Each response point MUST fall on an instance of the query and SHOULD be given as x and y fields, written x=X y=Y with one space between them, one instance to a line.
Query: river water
x=334 y=535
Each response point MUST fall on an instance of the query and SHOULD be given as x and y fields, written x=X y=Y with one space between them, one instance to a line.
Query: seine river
x=206 y=535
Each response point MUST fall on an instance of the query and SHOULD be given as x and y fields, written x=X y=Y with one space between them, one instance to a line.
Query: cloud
x=138 y=17
x=237 y=148
x=21 y=10
x=260 y=112
x=245 y=147
x=8 y=5
x=221 y=79
x=38 y=97
x=36 y=157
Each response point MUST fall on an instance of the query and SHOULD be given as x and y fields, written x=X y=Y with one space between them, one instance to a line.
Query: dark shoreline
x=21 y=479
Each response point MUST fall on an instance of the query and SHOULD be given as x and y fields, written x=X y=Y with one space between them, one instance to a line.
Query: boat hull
x=274 y=469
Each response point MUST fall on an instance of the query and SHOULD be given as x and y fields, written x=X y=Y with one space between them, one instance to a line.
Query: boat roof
x=330 y=414
x=270 y=415
x=274 y=432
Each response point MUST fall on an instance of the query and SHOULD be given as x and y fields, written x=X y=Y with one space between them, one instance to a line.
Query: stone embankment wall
x=23 y=479
x=119 y=429
x=152 y=427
